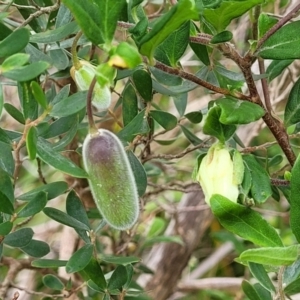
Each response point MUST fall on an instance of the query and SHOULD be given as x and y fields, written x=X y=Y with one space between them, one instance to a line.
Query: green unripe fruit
x=111 y=179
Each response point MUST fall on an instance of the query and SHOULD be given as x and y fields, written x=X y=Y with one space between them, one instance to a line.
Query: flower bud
x=83 y=77
x=217 y=174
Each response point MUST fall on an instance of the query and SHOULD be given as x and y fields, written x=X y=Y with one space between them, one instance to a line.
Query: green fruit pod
x=111 y=179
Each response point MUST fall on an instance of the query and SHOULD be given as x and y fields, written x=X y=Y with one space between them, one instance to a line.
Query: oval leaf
x=48 y=263
x=166 y=120
x=36 y=248
x=31 y=140
x=118 y=278
x=53 y=282
x=34 y=206
x=5 y=228
x=19 y=238
x=94 y=272
x=143 y=83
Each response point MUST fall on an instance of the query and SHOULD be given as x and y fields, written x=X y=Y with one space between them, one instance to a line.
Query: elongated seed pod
x=111 y=179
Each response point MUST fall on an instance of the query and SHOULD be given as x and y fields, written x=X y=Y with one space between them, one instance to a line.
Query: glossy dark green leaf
x=283 y=44
x=180 y=102
x=38 y=94
x=69 y=105
x=138 y=172
x=7 y=164
x=31 y=140
x=130 y=271
x=56 y=160
x=29 y=104
x=221 y=37
x=190 y=136
x=118 y=278
x=165 y=119
x=194 y=116
x=6 y=186
x=276 y=67
x=292 y=109
x=235 y=111
x=260 y=187
x=244 y=222
x=138 y=125
x=173 y=47
x=75 y=208
x=14 y=61
x=119 y=260
x=64 y=218
x=19 y=238
x=129 y=104
x=293 y=287
x=214 y=127
x=272 y=256
x=6 y=205
x=48 y=263
x=221 y=16
x=181 y=12
x=294 y=200
x=15 y=113
x=5 y=228
x=53 y=282
x=36 y=248
x=250 y=291
x=8 y=46
x=33 y=207
x=55 y=35
x=94 y=272
x=259 y=272
x=143 y=83
x=27 y=73
x=59 y=58
x=52 y=190
x=80 y=259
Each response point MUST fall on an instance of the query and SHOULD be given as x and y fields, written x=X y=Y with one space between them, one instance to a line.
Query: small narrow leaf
x=34 y=206
x=94 y=272
x=165 y=119
x=6 y=205
x=244 y=222
x=36 y=248
x=143 y=83
x=194 y=116
x=292 y=109
x=31 y=140
x=221 y=37
x=190 y=136
x=38 y=94
x=15 y=61
x=53 y=282
x=118 y=278
x=48 y=263
x=19 y=238
x=80 y=259
x=129 y=104
x=5 y=228
x=15 y=113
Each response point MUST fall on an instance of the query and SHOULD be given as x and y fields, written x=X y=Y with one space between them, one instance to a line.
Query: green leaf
x=34 y=206
x=293 y=287
x=273 y=256
x=110 y=12
x=55 y=35
x=38 y=94
x=48 y=263
x=283 y=44
x=194 y=116
x=120 y=260
x=31 y=140
x=221 y=16
x=19 y=238
x=222 y=37
x=27 y=73
x=15 y=61
x=294 y=200
x=260 y=186
x=180 y=102
x=190 y=136
x=265 y=22
x=235 y=111
x=118 y=278
x=56 y=160
x=138 y=172
x=15 y=113
x=143 y=83
x=165 y=119
x=75 y=208
x=52 y=190
x=138 y=125
x=36 y=248
x=173 y=47
x=7 y=164
x=276 y=67
x=181 y=12
x=214 y=127
x=163 y=239
x=29 y=104
x=6 y=186
x=244 y=222
x=94 y=272
x=5 y=228
x=65 y=219
x=86 y=14
x=6 y=205
x=59 y=58
x=53 y=282
x=250 y=291
x=80 y=259
x=9 y=46
x=129 y=104
x=259 y=272
x=69 y=105
x=292 y=109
